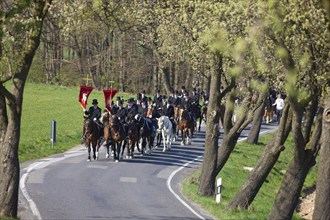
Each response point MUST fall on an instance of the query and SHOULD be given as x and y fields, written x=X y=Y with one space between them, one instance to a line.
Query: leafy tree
x=21 y=25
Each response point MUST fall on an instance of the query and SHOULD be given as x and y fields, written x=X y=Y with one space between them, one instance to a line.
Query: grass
x=41 y=105
x=233 y=177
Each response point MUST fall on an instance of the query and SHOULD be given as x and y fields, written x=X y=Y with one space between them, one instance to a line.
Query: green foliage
x=233 y=176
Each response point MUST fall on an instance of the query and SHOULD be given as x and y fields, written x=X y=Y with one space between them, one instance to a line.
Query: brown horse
x=106 y=133
x=118 y=135
x=185 y=125
x=133 y=138
x=268 y=114
x=92 y=134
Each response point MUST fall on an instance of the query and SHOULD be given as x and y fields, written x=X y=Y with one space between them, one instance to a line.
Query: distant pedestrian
x=279 y=103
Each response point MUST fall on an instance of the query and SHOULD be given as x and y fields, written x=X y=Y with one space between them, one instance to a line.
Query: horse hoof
x=88 y=160
x=107 y=156
x=182 y=144
x=164 y=150
x=116 y=161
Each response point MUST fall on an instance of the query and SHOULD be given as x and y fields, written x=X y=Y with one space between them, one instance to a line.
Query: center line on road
x=128 y=179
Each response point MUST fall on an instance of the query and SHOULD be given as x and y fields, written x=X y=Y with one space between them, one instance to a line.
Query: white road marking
x=128 y=179
x=168 y=183
x=97 y=167
x=22 y=182
x=37 y=165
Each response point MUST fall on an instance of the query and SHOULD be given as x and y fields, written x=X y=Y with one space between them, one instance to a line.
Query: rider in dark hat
x=94 y=112
x=132 y=109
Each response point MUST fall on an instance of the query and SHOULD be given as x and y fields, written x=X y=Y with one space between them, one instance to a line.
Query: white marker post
x=218 y=192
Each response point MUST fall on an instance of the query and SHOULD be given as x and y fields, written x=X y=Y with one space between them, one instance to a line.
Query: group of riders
x=149 y=108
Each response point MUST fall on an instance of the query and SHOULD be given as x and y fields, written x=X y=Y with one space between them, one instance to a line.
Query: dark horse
x=146 y=133
x=185 y=125
x=118 y=135
x=92 y=134
x=133 y=138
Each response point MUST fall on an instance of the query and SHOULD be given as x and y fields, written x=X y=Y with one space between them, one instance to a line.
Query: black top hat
x=95 y=101
x=130 y=100
x=149 y=99
x=118 y=98
x=120 y=102
x=183 y=87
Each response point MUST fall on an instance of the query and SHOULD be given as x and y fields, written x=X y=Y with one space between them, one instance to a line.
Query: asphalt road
x=66 y=186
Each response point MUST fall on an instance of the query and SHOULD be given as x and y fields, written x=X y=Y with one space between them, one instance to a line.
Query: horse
x=106 y=132
x=133 y=138
x=118 y=136
x=146 y=133
x=185 y=125
x=92 y=134
x=166 y=129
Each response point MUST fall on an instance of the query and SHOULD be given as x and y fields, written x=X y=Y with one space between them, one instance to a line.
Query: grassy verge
x=233 y=176
x=43 y=103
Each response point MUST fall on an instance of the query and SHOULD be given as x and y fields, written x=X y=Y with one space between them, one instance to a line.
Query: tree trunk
x=259 y=174
x=322 y=201
x=10 y=121
x=256 y=125
x=304 y=158
x=208 y=175
x=166 y=79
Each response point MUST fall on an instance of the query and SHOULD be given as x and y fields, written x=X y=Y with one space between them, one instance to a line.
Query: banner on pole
x=108 y=96
x=83 y=95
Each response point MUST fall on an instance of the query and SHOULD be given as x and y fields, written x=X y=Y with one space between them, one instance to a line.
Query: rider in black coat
x=132 y=110
x=121 y=112
x=142 y=109
x=94 y=113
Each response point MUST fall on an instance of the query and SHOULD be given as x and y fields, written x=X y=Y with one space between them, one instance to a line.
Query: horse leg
x=164 y=140
x=144 y=141
x=94 y=150
x=107 y=145
x=89 y=153
x=98 y=145
x=182 y=138
x=189 y=135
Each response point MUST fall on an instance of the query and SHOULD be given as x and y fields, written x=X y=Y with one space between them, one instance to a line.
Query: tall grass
x=233 y=177
x=41 y=105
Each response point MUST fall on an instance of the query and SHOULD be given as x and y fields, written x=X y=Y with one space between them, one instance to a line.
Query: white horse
x=166 y=128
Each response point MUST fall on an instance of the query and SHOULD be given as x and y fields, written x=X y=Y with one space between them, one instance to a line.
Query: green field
x=41 y=105
x=233 y=176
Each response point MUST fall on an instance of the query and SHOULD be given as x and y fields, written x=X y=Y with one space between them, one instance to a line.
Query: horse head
x=114 y=120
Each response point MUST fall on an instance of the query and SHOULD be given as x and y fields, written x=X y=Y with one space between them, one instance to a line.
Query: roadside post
x=218 y=191
x=53 y=132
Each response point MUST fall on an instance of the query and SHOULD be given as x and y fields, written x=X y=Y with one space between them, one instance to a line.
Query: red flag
x=83 y=95
x=108 y=95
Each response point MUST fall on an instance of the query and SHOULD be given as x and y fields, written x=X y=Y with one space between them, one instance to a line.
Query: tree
x=21 y=25
x=322 y=202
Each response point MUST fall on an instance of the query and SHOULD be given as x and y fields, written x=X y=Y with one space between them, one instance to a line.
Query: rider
x=157 y=98
x=121 y=112
x=142 y=109
x=132 y=110
x=94 y=113
x=168 y=111
x=188 y=105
